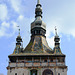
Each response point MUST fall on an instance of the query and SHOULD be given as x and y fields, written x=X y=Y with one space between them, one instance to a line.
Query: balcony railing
x=34 y=64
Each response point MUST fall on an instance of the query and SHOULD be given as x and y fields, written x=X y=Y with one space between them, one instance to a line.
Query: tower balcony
x=35 y=64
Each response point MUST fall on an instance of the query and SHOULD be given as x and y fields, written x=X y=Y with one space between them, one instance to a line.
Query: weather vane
x=55 y=30
x=19 y=29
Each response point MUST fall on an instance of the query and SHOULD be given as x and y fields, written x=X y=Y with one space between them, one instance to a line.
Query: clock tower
x=37 y=58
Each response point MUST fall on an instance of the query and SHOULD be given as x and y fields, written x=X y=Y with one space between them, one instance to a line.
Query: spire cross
x=19 y=29
x=55 y=30
x=38 y=1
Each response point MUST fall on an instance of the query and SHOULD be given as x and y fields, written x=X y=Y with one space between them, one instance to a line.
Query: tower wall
x=24 y=67
x=19 y=71
x=26 y=71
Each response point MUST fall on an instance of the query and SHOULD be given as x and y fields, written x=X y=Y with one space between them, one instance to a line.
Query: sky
x=59 y=13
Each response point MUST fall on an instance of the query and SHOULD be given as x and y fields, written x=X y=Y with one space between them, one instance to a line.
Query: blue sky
x=60 y=13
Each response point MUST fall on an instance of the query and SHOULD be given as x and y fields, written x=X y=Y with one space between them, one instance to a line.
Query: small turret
x=19 y=44
x=56 y=39
x=57 y=49
x=38 y=1
x=38 y=10
x=19 y=39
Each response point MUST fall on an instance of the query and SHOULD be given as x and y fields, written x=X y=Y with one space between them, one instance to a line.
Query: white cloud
x=21 y=17
x=18 y=6
x=50 y=41
x=2 y=31
x=60 y=18
x=3 y=11
x=63 y=27
x=4 y=24
x=14 y=25
x=24 y=24
x=60 y=14
x=8 y=29
x=3 y=28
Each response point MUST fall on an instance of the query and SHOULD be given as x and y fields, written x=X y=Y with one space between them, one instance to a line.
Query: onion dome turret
x=57 y=49
x=19 y=39
x=38 y=27
x=56 y=39
x=19 y=44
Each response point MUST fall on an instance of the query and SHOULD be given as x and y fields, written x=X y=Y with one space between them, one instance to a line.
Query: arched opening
x=47 y=72
x=33 y=72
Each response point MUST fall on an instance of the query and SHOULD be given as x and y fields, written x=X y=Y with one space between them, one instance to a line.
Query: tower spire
x=38 y=1
x=19 y=29
x=38 y=41
x=18 y=39
x=57 y=49
x=55 y=30
x=38 y=27
x=38 y=10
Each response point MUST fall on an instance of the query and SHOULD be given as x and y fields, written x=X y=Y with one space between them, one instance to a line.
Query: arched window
x=15 y=73
x=47 y=72
x=33 y=72
x=58 y=73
